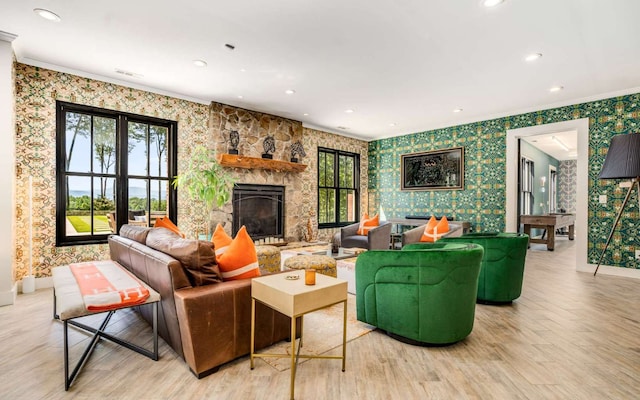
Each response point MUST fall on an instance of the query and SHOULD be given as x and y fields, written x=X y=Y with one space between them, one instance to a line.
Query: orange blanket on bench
x=105 y=285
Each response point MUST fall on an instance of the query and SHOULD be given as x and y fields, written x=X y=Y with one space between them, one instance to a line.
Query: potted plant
x=206 y=181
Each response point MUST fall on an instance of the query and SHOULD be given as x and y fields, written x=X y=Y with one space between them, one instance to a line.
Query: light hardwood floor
x=569 y=336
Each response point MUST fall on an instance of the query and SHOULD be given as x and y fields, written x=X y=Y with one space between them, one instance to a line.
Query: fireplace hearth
x=260 y=208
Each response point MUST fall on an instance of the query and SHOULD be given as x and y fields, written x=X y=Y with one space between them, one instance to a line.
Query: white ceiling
x=403 y=62
x=547 y=144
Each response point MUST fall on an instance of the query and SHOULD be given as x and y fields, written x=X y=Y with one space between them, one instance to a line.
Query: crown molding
x=7 y=37
x=102 y=78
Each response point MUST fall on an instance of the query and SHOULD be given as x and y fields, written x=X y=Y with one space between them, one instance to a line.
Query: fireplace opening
x=260 y=208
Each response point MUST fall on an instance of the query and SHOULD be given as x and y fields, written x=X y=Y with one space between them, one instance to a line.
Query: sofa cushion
x=134 y=232
x=196 y=256
x=164 y=222
x=368 y=223
x=355 y=241
x=434 y=231
x=239 y=260
x=221 y=240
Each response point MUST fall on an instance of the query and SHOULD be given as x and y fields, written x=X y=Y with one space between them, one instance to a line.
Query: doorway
x=512 y=162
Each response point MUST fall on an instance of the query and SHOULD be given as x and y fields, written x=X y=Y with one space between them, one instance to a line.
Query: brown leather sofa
x=206 y=321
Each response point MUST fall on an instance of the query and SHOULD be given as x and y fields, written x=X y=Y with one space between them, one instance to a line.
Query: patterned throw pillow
x=435 y=229
x=239 y=260
x=164 y=222
x=367 y=224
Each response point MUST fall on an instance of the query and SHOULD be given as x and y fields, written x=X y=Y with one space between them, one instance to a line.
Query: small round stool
x=268 y=259
x=324 y=265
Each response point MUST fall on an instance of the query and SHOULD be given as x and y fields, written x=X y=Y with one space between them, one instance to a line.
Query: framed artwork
x=433 y=170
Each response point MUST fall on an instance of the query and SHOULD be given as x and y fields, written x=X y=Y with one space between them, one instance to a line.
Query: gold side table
x=293 y=298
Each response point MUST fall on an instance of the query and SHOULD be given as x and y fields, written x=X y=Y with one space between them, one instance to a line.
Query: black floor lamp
x=622 y=162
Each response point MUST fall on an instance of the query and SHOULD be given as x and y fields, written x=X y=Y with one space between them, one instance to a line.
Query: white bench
x=68 y=304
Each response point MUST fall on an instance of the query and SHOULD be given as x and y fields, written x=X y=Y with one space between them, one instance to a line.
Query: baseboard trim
x=41 y=283
x=44 y=283
x=8 y=297
x=609 y=270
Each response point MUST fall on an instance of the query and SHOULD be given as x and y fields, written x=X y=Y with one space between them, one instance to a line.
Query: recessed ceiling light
x=392 y=124
x=457 y=110
x=491 y=3
x=240 y=97
x=48 y=15
x=199 y=63
x=556 y=89
x=533 y=56
x=289 y=91
x=349 y=111
x=305 y=114
x=243 y=70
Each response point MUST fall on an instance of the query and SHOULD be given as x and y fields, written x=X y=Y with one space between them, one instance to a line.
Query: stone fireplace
x=260 y=208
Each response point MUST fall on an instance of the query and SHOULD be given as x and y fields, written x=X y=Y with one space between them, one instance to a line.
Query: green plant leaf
x=205 y=180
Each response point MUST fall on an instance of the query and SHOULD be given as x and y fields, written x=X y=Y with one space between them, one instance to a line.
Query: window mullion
x=122 y=139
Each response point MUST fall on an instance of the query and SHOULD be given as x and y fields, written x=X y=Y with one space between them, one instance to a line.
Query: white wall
x=7 y=170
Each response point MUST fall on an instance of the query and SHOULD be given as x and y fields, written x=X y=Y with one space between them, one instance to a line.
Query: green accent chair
x=502 y=269
x=424 y=294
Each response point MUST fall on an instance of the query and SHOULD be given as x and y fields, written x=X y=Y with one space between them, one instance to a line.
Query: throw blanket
x=105 y=285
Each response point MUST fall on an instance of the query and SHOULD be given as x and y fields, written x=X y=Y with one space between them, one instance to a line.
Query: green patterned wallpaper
x=482 y=202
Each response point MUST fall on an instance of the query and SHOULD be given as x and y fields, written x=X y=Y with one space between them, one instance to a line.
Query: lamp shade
x=623 y=158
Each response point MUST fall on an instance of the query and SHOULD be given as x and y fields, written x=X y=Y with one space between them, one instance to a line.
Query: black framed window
x=112 y=168
x=338 y=187
x=526 y=188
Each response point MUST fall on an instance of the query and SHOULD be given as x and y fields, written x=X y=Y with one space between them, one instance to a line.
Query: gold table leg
x=344 y=336
x=293 y=355
x=253 y=329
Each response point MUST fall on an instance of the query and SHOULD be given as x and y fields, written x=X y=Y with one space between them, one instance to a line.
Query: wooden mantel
x=237 y=161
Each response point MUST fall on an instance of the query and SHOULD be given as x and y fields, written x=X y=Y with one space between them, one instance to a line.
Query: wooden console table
x=550 y=222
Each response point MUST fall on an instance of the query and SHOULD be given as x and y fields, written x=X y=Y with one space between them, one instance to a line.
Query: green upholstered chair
x=502 y=265
x=424 y=294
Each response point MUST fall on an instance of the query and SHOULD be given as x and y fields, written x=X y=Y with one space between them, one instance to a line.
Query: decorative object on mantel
x=297 y=150
x=622 y=162
x=239 y=161
x=269 y=146
x=206 y=182
x=234 y=139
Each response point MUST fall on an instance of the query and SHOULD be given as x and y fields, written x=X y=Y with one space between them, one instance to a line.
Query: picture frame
x=433 y=170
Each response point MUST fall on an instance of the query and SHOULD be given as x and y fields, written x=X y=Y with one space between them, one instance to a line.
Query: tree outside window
x=338 y=187
x=113 y=168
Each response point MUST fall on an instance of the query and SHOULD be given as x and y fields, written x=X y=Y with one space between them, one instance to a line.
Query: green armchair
x=423 y=294
x=502 y=270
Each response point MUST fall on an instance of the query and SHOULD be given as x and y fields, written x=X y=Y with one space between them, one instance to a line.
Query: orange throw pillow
x=164 y=222
x=367 y=224
x=220 y=240
x=435 y=230
x=239 y=260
